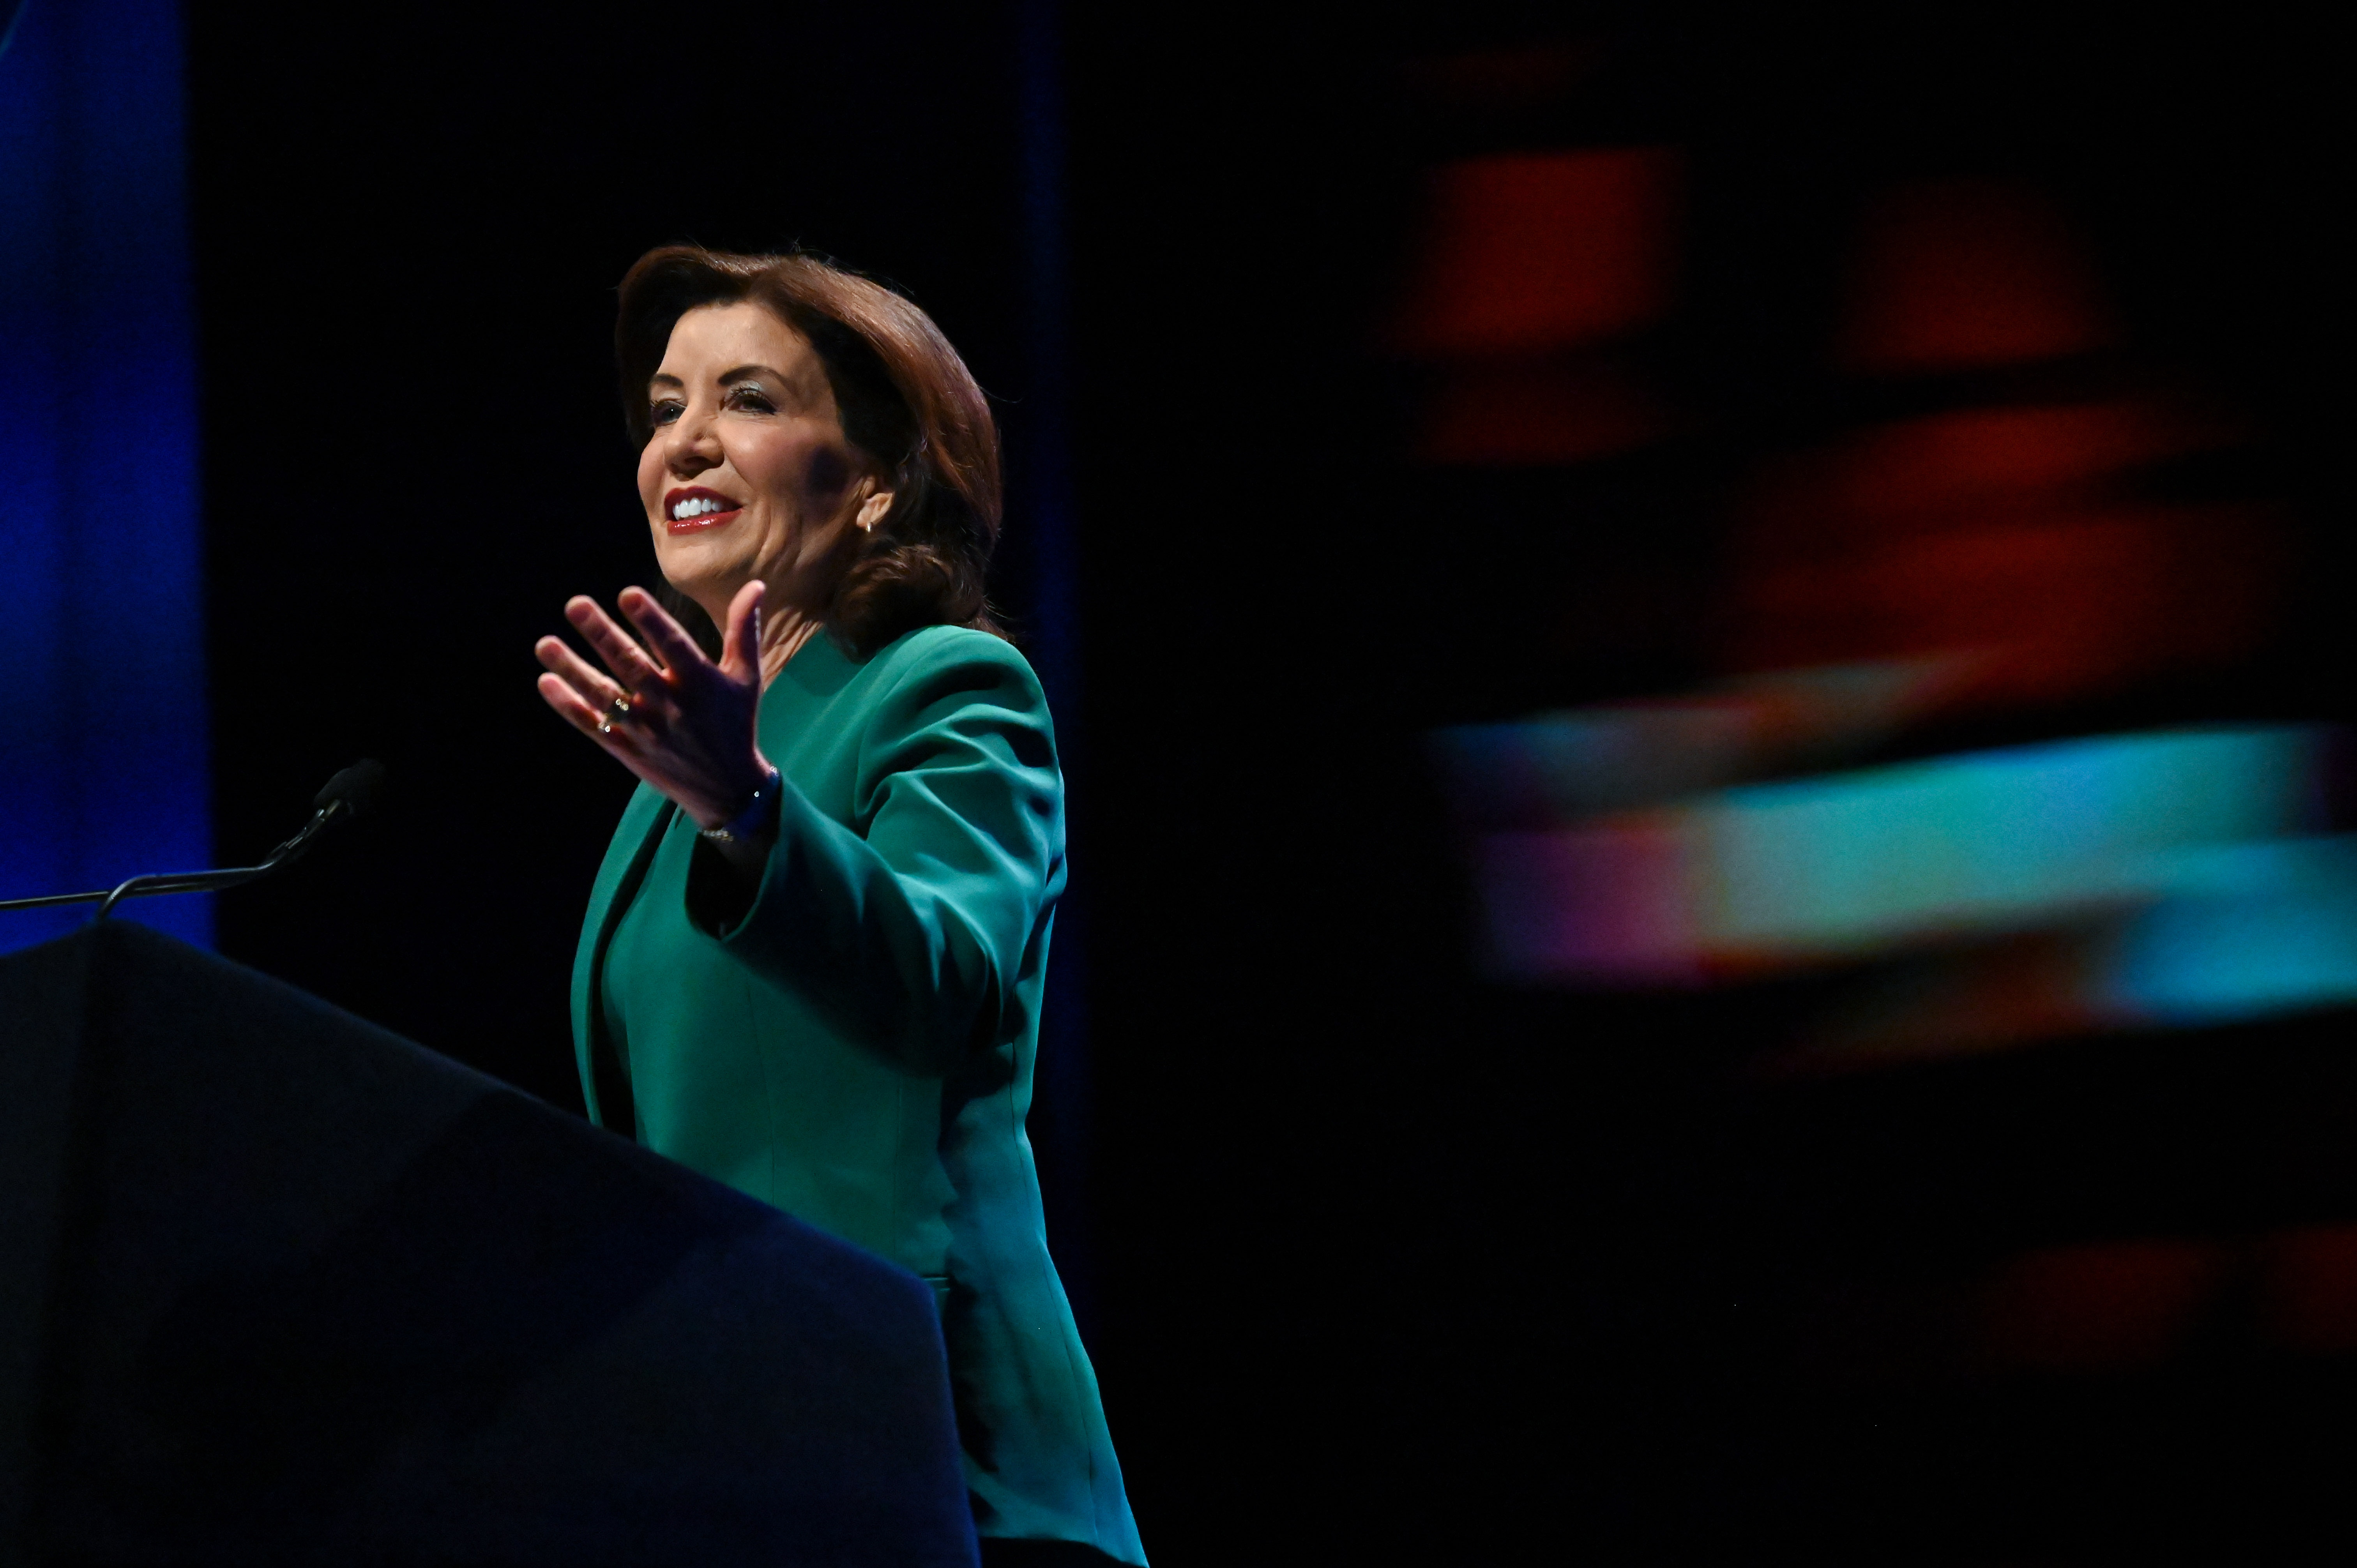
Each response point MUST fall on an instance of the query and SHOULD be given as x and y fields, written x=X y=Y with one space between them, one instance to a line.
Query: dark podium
x=278 y=1286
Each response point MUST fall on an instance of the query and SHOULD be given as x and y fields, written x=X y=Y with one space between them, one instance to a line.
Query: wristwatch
x=760 y=813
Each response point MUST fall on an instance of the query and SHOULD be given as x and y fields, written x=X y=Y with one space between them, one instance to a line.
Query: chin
x=694 y=585
x=691 y=565
x=702 y=586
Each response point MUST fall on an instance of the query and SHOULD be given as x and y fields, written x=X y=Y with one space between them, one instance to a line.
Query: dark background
x=1376 y=1262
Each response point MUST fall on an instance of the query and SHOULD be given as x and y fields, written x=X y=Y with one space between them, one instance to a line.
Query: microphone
x=349 y=794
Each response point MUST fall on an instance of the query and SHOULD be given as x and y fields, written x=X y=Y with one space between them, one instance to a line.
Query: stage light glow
x=1525 y=252
x=106 y=766
x=2187 y=846
x=1529 y=268
x=1960 y=275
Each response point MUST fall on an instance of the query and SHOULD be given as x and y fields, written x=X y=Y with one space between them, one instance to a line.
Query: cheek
x=829 y=471
x=800 y=471
x=651 y=479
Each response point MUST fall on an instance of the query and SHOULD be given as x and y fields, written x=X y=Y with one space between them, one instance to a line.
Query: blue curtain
x=103 y=768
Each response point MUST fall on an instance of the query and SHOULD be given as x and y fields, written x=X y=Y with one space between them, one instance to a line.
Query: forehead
x=713 y=338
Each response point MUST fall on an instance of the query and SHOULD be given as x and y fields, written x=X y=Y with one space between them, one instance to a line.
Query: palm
x=676 y=718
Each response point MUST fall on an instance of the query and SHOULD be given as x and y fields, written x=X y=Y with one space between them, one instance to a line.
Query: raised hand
x=676 y=719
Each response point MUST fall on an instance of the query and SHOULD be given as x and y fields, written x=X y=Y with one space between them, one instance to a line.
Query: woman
x=813 y=958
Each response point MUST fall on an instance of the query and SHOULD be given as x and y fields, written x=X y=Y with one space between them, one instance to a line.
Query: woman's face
x=748 y=474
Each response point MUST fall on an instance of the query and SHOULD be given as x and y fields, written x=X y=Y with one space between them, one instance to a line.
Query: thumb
x=740 y=645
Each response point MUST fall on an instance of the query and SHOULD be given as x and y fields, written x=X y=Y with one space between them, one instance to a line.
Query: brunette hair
x=907 y=401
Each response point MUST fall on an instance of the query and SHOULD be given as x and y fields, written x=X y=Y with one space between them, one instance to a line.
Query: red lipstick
x=705 y=509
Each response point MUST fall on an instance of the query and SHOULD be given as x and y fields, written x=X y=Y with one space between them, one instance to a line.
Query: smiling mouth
x=690 y=511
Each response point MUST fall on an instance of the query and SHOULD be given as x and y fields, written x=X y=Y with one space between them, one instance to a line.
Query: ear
x=873 y=510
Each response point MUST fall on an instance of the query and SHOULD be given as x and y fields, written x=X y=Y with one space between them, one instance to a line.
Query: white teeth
x=696 y=506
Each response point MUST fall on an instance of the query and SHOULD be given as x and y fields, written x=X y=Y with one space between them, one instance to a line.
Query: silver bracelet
x=760 y=812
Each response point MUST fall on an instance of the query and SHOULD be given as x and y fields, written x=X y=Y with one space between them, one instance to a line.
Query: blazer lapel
x=603 y=1083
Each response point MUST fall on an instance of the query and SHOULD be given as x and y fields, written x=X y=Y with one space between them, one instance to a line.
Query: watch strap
x=759 y=813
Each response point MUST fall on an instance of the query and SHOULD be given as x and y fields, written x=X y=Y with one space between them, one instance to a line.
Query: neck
x=783 y=633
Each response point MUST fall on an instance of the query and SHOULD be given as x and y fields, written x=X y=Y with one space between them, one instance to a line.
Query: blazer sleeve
x=909 y=925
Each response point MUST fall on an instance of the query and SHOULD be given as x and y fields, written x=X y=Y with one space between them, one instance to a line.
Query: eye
x=752 y=398
x=665 y=411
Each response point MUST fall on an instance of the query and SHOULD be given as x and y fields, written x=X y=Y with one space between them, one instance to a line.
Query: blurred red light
x=1552 y=411
x=2117 y=1306
x=2008 y=533
x=1539 y=252
x=1961 y=275
x=2307 y=1289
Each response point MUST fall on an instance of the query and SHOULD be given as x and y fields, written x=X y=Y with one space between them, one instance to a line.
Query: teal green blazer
x=856 y=1048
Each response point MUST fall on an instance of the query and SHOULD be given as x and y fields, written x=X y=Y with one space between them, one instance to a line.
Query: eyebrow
x=737 y=375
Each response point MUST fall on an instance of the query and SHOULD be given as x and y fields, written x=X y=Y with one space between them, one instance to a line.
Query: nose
x=691 y=444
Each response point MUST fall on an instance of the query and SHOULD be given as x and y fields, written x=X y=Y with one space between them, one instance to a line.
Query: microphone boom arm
x=344 y=797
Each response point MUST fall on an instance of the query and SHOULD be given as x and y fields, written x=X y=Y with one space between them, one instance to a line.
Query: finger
x=741 y=649
x=668 y=637
x=622 y=653
x=619 y=648
x=593 y=686
x=559 y=694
